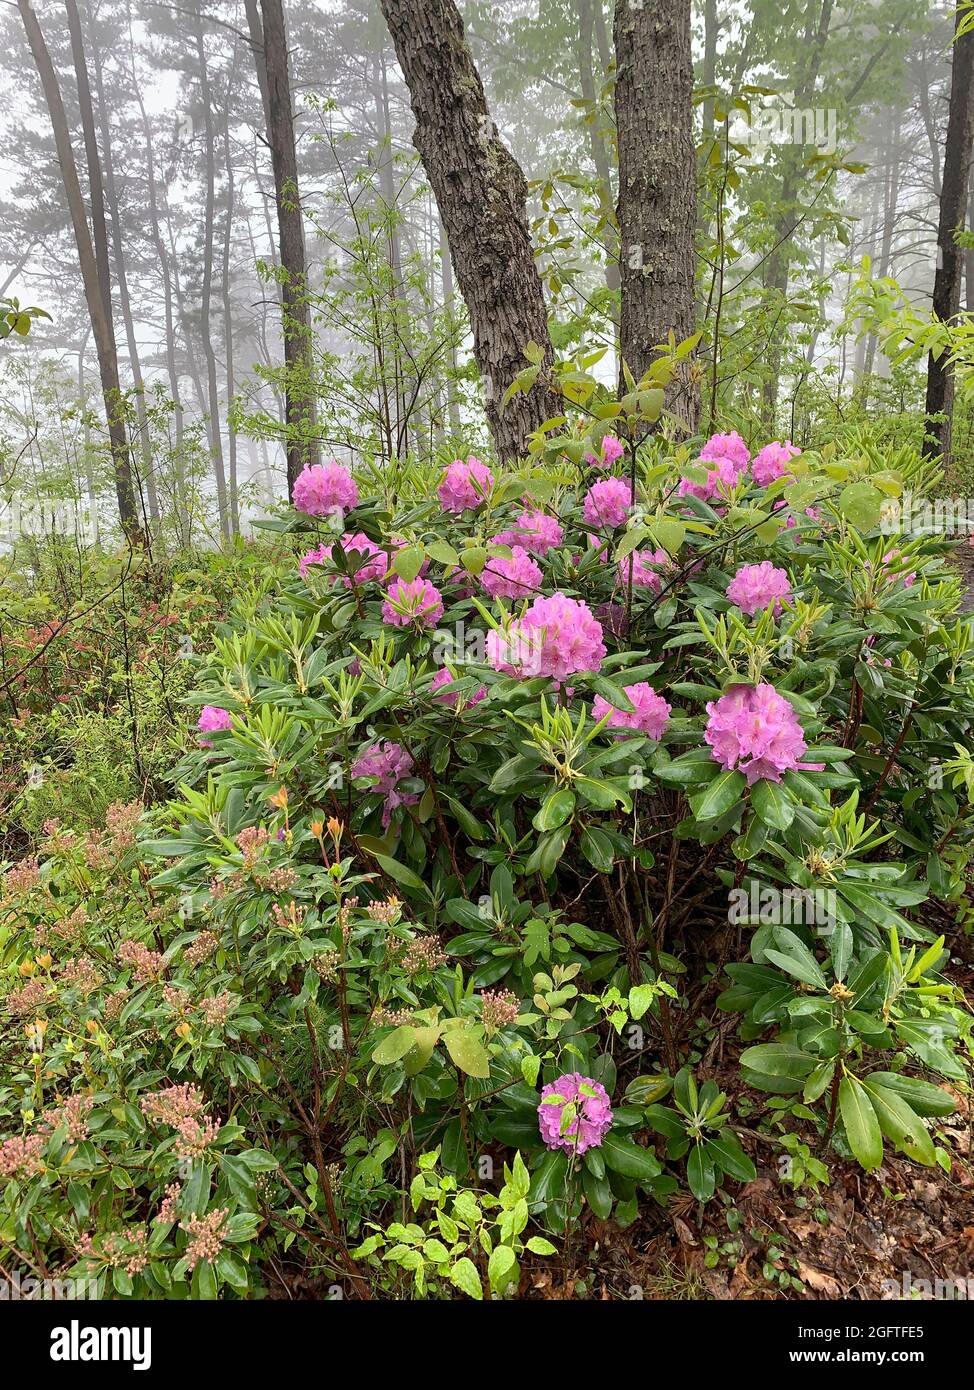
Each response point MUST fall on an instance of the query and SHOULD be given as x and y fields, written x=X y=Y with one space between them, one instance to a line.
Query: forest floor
x=889 y=1234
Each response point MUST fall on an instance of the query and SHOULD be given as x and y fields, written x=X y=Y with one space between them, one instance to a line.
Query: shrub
x=462 y=861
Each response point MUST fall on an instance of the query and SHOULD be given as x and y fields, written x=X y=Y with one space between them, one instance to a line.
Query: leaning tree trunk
x=299 y=412
x=953 y=208
x=94 y=285
x=657 y=186
x=481 y=193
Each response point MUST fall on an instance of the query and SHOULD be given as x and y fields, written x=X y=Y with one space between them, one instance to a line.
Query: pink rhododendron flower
x=772 y=461
x=465 y=485
x=757 y=586
x=612 y=449
x=726 y=446
x=608 y=503
x=592 y=1119
x=720 y=480
x=213 y=719
x=389 y=764
x=419 y=601
x=325 y=488
x=518 y=577
x=445 y=677
x=650 y=713
x=646 y=567
x=534 y=530
x=756 y=731
x=557 y=636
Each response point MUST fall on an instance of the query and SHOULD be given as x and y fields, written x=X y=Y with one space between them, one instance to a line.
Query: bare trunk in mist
x=124 y=299
x=481 y=194
x=657 y=186
x=99 y=304
x=299 y=413
x=206 y=329
x=953 y=208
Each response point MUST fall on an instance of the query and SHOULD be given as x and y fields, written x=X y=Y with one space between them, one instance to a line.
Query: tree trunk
x=481 y=193
x=101 y=322
x=124 y=299
x=953 y=209
x=228 y=308
x=212 y=392
x=299 y=413
x=657 y=185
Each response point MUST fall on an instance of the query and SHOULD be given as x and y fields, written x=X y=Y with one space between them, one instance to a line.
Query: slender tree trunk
x=124 y=299
x=228 y=310
x=953 y=209
x=212 y=392
x=657 y=186
x=101 y=322
x=481 y=194
x=299 y=412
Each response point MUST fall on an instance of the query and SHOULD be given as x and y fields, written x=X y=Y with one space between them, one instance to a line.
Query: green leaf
x=772 y=804
x=465 y=1277
x=779 y=1059
x=717 y=798
x=899 y=1123
x=501 y=1267
x=862 y=1126
x=629 y=1159
x=394 y=1046
x=700 y=1174
x=467 y=1051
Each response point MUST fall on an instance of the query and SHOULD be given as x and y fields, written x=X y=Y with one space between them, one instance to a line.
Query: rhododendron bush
x=511 y=791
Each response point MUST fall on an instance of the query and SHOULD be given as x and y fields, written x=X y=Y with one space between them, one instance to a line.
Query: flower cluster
x=756 y=731
x=608 y=503
x=645 y=568
x=611 y=451
x=389 y=764
x=325 y=489
x=213 y=719
x=22 y=1157
x=535 y=531
x=518 y=577
x=557 y=636
x=650 y=713
x=758 y=586
x=72 y=1117
x=499 y=1008
x=416 y=601
x=205 y=1241
x=588 y=1118
x=422 y=953
x=465 y=485
x=146 y=964
x=772 y=461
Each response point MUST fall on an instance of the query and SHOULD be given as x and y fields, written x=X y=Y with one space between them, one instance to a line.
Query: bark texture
x=657 y=206
x=481 y=194
x=953 y=209
x=299 y=412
